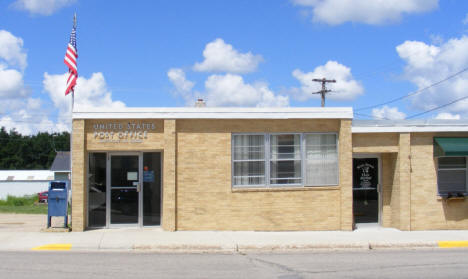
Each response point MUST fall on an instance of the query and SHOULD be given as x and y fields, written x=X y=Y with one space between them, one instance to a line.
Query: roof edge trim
x=217 y=113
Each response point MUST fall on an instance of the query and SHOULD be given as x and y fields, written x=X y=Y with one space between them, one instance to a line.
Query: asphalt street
x=422 y=263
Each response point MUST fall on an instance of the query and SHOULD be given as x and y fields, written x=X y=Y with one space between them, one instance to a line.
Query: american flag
x=70 y=61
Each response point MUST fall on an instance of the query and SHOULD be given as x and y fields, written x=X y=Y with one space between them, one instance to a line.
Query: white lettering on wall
x=118 y=132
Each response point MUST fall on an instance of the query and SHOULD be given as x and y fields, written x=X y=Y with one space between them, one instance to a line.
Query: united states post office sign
x=131 y=132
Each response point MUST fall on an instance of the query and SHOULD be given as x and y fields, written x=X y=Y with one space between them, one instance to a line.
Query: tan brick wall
x=387 y=145
x=390 y=190
x=404 y=171
x=409 y=183
x=375 y=143
x=206 y=201
x=169 y=176
x=79 y=203
x=197 y=193
x=428 y=212
x=346 y=175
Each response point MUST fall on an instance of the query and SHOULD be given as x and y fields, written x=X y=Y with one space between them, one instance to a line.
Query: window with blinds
x=286 y=159
x=451 y=178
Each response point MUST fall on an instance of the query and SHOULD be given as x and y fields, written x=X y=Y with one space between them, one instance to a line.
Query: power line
x=415 y=92
x=377 y=70
x=436 y=108
x=371 y=116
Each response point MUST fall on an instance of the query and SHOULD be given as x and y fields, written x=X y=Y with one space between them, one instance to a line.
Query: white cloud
x=42 y=7
x=11 y=83
x=27 y=117
x=336 y=12
x=11 y=50
x=345 y=88
x=222 y=57
x=227 y=90
x=447 y=115
x=387 y=112
x=89 y=93
x=427 y=64
x=177 y=77
x=231 y=90
x=12 y=54
x=183 y=86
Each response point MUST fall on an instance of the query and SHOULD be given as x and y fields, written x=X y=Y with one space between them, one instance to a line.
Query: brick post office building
x=268 y=169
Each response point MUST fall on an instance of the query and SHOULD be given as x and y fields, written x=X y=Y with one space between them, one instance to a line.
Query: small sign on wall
x=148 y=176
x=132 y=175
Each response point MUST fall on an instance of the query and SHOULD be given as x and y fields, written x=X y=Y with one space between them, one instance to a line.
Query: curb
x=186 y=248
x=402 y=245
x=303 y=247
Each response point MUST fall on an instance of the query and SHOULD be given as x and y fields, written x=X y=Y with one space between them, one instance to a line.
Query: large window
x=275 y=160
x=451 y=179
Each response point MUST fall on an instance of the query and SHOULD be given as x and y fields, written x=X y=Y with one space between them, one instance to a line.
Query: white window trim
x=453 y=169
x=267 y=161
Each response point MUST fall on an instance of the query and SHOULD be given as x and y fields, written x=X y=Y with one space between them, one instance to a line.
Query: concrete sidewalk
x=155 y=239
x=20 y=232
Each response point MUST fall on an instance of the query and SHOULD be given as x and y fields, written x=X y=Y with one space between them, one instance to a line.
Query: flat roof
x=413 y=125
x=26 y=175
x=217 y=113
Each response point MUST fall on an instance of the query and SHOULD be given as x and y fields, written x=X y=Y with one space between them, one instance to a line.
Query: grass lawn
x=24 y=209
x=22 y=205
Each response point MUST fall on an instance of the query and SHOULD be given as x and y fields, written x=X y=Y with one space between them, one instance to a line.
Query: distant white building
x=24 y=182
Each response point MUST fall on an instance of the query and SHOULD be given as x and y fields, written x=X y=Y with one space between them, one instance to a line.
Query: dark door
x=365 y=190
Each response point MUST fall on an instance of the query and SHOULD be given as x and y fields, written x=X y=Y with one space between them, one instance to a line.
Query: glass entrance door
x=366 y=190
x=125 y=187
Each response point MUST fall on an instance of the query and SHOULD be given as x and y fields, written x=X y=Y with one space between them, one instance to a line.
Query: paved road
x=439 y=263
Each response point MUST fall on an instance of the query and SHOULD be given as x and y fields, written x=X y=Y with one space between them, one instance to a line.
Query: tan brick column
x=169 y=176
x=346 y=176
x=79 y=204
x=405 y=181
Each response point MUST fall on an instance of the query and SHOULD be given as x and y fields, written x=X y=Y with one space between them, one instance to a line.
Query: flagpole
x=73 y=91
x=71 y=141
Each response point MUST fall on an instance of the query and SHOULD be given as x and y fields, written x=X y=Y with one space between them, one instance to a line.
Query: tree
x=30 y=152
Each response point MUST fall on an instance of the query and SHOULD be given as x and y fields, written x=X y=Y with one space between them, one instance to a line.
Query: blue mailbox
x=58 y=201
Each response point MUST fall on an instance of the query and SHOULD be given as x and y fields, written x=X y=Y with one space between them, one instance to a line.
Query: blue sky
x=232 y=53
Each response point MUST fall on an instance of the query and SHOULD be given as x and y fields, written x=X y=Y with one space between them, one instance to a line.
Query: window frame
x=267 y=160
x=465 y=193
x=232 y=159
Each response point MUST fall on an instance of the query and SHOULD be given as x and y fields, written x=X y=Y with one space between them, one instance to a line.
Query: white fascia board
x=408 y=129
x=217 y=113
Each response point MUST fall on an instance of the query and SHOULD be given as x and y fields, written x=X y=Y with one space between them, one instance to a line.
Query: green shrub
x=19 y=201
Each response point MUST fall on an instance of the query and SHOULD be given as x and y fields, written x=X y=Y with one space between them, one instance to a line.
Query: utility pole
x=324 y=90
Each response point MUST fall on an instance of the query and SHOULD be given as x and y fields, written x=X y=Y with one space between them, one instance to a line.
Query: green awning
x=450 y=147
